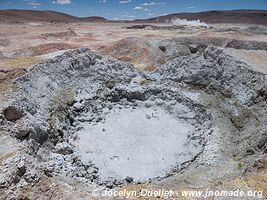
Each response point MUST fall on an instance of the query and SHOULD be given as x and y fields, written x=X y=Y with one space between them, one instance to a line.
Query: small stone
x=12 y=113
x=21 y=134
x=39 y=135
x=162 y=48
x=78 y=106
x=109 y=185
x=129 y=179
x=193 y=48
x=21 y=169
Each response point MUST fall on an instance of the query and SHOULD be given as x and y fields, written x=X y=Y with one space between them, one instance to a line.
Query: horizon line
x=213 y=10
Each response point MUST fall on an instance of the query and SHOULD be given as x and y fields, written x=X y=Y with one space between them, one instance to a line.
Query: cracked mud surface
x=80 y=121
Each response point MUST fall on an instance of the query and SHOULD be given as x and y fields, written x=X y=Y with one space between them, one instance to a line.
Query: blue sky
x=130 y=9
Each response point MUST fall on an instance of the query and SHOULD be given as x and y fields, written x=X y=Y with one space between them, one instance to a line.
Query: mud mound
x=91 y=119
x=60 y=35
x=144 y=54
x=41 y=49
x=203 y=42
x=94 y=101
x=150 y=54
x=254 y=58
x=212 y=71
x=134 y=50
x=250 y=30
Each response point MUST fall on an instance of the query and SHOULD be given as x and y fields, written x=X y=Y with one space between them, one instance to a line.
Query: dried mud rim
x=144 y=99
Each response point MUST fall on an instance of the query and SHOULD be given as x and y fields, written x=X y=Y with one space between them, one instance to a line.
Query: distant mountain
x=34 y=16
x=93 y=19
x=42 y=16
x=228 y=16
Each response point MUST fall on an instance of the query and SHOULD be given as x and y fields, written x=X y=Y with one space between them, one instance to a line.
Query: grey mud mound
x=100 y=122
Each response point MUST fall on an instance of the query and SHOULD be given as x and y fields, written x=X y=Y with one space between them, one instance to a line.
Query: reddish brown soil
x=43 y=49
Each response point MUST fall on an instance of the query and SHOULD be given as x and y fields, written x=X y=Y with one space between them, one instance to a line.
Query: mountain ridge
x=214 y=16
x=14 y=15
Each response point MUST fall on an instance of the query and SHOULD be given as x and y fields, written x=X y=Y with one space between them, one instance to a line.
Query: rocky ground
x=58 y=139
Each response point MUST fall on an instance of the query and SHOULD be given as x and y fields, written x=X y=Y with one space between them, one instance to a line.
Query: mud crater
x=140 y=134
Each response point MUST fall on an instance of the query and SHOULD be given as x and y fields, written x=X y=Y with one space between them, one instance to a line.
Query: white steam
x=185 y=22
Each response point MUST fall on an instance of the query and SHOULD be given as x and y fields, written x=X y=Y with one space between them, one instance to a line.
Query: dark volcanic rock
x=193 y=48
x=129 y=179
x=12 y=113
